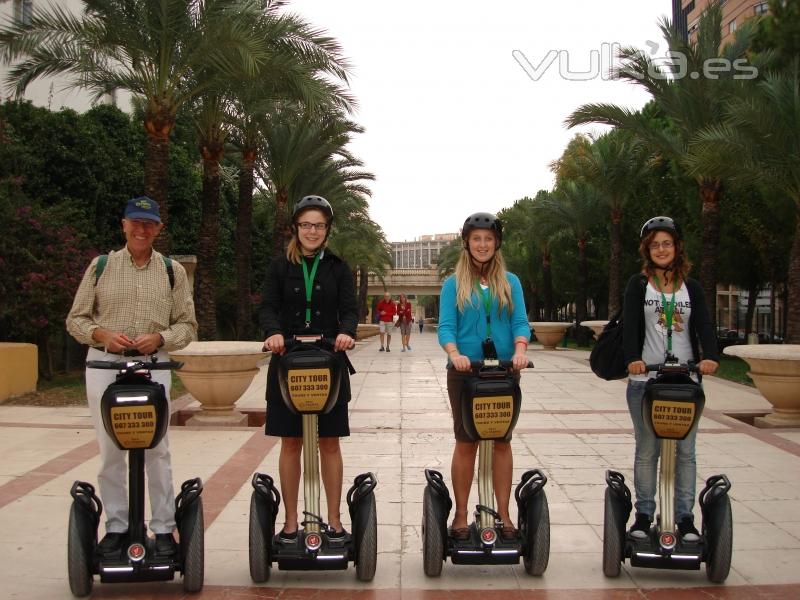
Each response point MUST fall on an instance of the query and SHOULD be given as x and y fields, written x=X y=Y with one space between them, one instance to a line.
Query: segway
x=490 y=408
x=309 y=374
x=136 y=416
x=672 y=405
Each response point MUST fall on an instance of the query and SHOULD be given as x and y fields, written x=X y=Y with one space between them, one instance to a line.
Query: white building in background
x=53 y=93
x=422 y=253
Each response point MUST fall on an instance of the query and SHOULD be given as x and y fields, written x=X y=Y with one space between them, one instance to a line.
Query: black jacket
x=334 y=309
x=701 y=329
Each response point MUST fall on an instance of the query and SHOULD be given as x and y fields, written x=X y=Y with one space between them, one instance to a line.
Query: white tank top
x=655 y=328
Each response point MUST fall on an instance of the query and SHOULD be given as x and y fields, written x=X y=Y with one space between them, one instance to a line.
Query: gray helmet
x=482 y=220
x=318 y=202
x=660 y=224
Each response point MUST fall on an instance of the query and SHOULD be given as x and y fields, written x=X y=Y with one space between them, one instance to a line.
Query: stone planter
x=217 y=374
x=595 y=326
x=775 y=369
x=366 y=330
x=189 y=263
x=549 y=333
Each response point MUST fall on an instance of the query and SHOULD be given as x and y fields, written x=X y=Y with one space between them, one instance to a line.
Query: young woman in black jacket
x=310 y=290
x=659 y=299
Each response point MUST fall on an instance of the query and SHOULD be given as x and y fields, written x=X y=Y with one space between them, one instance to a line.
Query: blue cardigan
x=468 y=329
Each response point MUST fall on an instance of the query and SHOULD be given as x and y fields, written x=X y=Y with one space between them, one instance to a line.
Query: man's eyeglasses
x=305 y=226
x=666 y=244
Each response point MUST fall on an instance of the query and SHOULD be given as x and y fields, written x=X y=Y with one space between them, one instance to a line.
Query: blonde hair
x=468 y=278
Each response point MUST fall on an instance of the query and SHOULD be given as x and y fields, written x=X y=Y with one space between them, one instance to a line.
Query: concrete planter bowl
x=217 y=374
x=775 y=369
x=549 y=333
x=595 y=326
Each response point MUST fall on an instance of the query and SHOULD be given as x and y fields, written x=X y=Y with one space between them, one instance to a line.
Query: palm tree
x=572 y=209
x=614 y=164
x=759 y=142
x=151 y=49
x=300 y=147
x=691 y=100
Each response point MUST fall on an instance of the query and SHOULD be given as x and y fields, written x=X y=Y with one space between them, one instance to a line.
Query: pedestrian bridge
x=420 y=282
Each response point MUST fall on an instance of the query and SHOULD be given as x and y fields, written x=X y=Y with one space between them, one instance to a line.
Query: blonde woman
x=480 y=302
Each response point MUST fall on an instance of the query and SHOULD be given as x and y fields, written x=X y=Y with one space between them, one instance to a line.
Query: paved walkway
x=574 y=426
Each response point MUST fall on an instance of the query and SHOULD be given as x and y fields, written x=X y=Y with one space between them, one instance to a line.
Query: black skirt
x=282 y=422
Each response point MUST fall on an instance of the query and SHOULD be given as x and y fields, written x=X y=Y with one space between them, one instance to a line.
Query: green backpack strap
x=102 y=260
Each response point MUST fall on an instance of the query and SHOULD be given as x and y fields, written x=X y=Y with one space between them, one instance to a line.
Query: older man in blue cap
x=133 y=302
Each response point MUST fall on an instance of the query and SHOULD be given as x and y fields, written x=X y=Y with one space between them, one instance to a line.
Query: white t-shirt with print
x=655 y=327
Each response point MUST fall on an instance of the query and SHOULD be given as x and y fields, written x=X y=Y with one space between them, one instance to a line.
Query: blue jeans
x=645 y=462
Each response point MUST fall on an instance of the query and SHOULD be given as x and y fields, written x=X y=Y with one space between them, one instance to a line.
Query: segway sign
x=136 y=552
x=492 y=416
x=672 y=420
x=134 y=426
x=309 y=388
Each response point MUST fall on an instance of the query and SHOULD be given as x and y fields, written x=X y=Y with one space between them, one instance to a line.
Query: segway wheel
x=432 y=542
x=259 y=544
x=192 y=534
x=719 y=540
x=537 y=535
x=612 y=542
x=80 y=544
x=367 y=539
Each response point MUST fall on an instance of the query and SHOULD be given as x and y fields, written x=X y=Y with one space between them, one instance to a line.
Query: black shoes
x=336 y=536
x=687 y=530
x=112 y=543
x=641 y=527
x=165 y=544
x=287 y=538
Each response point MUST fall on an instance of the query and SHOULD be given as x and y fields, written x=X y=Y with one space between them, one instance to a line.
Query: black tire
x=192 y=534
x=612 y=542
x=367 y=538
x=719 y=540
x=537 y=535
x=81 y=540
x=432 y=542
x=259 y=544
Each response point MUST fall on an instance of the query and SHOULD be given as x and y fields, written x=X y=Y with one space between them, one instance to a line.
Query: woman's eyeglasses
x=666 y=244
x=305 y=226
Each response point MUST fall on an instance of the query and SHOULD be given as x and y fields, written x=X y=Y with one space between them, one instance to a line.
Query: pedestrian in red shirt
x=404 y=321
x=387 y=309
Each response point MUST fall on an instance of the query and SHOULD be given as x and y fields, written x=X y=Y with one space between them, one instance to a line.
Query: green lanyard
x=309 y=279
x=487 y=305
x=669 y=311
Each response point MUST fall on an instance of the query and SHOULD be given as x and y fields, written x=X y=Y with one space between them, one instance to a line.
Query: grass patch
x=734 y=369
x=68 y=389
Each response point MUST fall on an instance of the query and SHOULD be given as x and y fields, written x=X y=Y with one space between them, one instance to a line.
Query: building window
x=23 y=11
x=732 y=26
x=761 y=8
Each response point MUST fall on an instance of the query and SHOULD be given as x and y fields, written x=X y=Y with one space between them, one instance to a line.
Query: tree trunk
x=547 y=287
x=244 y=228
x=793 y=288
x=583 y=278
x=711 y=195
x=45 y=356
x=363 y=285
x=156 y=171
x=281 y=202
x=752 y=298
x=533 y=309
x=205 y=287
x=614 y=293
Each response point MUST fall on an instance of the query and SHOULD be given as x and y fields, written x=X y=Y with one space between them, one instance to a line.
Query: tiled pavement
x=574 y=426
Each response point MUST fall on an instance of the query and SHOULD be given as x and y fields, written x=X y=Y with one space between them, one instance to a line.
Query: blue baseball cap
x=142 y=208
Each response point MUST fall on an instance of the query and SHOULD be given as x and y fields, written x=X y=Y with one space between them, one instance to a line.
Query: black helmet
x=482 y=220
x=317 y=202
x=660 y=224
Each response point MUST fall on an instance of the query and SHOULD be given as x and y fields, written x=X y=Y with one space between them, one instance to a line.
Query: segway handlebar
x=503 y=364
x=316 y=340
x=672 y=367
x=134 y=365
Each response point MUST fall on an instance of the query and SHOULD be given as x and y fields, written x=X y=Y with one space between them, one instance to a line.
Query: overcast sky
x=454 y=123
